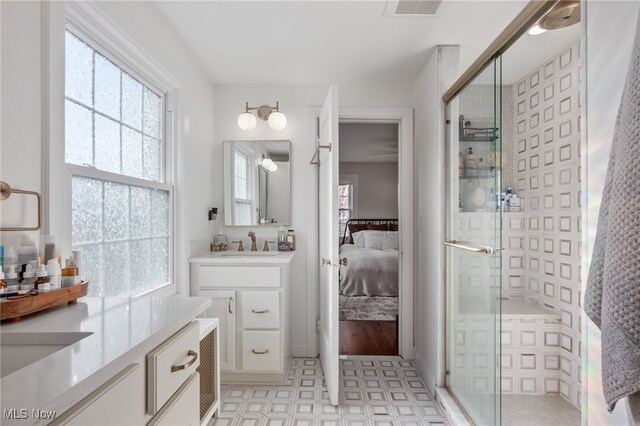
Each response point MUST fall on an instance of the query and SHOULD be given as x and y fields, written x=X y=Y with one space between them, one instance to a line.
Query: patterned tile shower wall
x=543 y=243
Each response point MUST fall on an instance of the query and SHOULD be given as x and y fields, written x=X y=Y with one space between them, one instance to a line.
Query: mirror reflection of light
x=268 y=164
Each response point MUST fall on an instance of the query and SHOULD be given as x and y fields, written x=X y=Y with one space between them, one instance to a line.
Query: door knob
x=343 y=262
x=326 y=262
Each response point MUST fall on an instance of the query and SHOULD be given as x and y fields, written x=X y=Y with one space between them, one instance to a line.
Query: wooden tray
x=16 y=309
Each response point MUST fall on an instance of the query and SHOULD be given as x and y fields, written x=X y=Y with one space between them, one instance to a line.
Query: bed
x=370 y=271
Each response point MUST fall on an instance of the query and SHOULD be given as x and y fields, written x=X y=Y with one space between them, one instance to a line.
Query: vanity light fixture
x=277 y=120
x=268 y=164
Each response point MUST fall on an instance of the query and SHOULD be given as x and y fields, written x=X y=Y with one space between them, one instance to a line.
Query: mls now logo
x=15 y=413
x=23 y=413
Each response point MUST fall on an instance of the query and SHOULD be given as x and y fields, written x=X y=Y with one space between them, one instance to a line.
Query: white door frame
x=404 y=118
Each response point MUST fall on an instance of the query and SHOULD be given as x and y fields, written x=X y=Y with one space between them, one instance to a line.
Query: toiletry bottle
x=1 y=256
x=27 y=251
x=47 y=248
x=42 y=280
x=77 y=258
x=460 y=164
x=3 y=283
x=471 y=163
x=283 y=244
x=10 y=257
x=70 y=274
x=11 y=278
x=28 y=279
x=55 y=274
x=291 y=239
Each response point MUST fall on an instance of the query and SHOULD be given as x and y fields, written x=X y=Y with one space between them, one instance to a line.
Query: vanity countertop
x=243 y=257
x=123 y=330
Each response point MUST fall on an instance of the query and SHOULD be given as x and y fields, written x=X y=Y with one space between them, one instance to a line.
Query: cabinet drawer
x=171 y=364
x=120 y=401
x=260 y=309
x=183 y=409
x=260 y=350
x=239 y=276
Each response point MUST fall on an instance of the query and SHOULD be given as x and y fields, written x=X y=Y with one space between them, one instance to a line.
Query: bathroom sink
x=20 y=350
x=248 y=254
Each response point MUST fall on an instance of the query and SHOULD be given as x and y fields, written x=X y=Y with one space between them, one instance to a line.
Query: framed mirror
x=257 y=183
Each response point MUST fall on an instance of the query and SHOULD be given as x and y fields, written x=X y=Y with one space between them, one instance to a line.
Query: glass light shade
x=267 y=163
x=247 y=121
x=273 y=167
x=277 y=120
x=536 y=30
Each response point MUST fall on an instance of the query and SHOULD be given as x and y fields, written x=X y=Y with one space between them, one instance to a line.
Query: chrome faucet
x=252 y=235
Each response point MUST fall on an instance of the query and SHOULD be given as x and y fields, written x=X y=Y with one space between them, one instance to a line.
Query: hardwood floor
x=368 y=338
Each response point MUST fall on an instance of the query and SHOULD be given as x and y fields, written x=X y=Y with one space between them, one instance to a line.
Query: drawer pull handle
x=264 y=311
x=266 y=351
x=230 y=302
x=188 y=364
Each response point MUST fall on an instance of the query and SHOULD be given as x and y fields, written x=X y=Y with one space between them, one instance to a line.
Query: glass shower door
x=473 y=238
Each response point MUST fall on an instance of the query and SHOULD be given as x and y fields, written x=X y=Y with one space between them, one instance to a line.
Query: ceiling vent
x=411 y=7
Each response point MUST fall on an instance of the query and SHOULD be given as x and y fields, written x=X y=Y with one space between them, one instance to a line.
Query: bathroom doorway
x=369 y=238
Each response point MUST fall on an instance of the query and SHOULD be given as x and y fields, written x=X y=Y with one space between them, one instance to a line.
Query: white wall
x=436 y=77
x=295 y=102
x=610 y=29
x=22 y=104
x=377 y=192
x=20 y=65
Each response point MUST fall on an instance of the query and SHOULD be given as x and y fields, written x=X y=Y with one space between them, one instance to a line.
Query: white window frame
x=89 y=24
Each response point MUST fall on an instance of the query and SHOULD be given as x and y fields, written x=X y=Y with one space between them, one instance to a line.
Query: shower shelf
x=487 y=134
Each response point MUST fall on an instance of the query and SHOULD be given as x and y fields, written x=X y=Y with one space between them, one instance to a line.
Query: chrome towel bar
x=473 y=247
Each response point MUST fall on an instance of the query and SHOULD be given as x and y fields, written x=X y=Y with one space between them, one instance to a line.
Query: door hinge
x=448 y=121
x=446 y=372
x=318 y=325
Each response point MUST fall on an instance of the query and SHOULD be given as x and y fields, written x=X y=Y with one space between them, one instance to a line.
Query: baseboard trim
x=452 y=412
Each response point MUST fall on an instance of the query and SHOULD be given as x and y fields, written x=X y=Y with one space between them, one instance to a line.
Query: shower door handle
x=473 y=247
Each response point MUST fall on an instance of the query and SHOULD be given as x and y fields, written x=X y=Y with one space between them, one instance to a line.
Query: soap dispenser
x=471 y=163
x=219 y=242
x=283 y=243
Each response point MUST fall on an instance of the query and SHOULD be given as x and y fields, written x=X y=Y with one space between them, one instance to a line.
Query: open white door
x=328 y=242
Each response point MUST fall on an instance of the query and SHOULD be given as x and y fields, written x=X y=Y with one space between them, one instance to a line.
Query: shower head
x=564 y=14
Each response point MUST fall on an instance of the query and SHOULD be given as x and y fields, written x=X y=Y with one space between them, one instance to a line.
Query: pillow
x=381 y=227
x=355 y=227
x=381 y=240
x=359 y=239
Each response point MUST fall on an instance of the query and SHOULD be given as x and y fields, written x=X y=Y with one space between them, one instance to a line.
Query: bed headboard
x=388 y=222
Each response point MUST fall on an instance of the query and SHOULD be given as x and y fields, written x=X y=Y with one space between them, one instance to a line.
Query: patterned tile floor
x=373 y=392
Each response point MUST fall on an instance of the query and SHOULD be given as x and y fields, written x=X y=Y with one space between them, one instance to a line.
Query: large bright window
x=115 y=148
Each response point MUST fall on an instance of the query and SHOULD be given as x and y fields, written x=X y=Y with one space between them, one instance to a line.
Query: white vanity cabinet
x=171 y=385
x=250 y=297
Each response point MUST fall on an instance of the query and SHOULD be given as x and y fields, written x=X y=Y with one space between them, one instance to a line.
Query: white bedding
x=369 y=272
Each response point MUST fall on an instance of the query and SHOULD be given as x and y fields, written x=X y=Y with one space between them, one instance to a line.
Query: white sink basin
x=248 y=254
x=22 y=349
